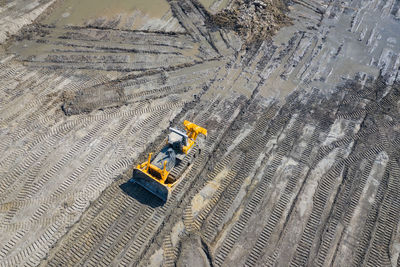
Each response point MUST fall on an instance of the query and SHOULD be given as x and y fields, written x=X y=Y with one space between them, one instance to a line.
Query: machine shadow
x=142 y=195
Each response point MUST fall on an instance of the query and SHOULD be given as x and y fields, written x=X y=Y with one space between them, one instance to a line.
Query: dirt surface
x=301 y=165
x=16 y=14
x=253 y=20
x=122 y=14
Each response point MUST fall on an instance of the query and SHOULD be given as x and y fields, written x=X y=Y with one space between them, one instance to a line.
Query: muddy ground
x=301 y=166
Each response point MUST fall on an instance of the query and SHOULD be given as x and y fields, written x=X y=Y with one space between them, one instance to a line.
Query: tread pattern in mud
x=301 y=165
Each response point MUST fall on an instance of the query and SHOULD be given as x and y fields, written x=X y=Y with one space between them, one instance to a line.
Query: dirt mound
x=253 y=20
x=67 y=98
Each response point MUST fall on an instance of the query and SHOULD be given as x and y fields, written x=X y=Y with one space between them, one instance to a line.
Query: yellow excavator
x=155 y=174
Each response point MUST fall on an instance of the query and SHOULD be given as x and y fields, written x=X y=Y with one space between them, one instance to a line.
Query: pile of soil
x=253 y=20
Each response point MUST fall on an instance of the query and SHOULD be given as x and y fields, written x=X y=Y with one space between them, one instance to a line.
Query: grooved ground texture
x=301 y=165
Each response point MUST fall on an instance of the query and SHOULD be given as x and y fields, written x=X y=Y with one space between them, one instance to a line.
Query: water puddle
x=119 y=13
x=214 y=6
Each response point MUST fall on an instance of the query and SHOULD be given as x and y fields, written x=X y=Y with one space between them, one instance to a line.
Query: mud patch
x=200 y=200
x=254 y=20
x=121 y=14
x=193 y=252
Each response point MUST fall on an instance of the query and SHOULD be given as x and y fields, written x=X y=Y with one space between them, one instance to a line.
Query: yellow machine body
x=157 y=180
x=192 y=131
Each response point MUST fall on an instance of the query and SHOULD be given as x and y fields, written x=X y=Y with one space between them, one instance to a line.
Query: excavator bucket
x=150 y=184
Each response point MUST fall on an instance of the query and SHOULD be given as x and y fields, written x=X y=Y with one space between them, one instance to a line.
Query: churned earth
x=301 y=100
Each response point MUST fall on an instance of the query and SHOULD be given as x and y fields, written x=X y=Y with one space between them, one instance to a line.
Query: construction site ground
x=301 y=165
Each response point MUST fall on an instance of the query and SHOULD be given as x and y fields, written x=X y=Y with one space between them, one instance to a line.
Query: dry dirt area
x=301 y=166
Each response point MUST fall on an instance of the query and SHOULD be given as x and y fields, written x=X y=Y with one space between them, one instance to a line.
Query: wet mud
x=301 y=102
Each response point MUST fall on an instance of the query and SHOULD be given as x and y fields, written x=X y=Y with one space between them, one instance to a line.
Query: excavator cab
x=154 y=174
